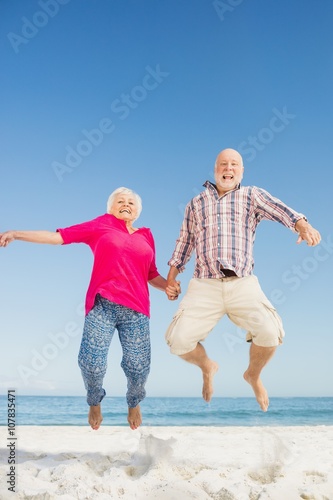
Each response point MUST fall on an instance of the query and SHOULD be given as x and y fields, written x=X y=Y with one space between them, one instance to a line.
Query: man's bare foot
x=208 y=375
x=259 y=391
x=95 y=417
x=134 y=417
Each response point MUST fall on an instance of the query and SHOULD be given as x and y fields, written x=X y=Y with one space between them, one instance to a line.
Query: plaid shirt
x=221 y=229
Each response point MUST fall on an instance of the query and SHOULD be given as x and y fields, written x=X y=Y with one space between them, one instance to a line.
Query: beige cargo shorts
x=208 y=300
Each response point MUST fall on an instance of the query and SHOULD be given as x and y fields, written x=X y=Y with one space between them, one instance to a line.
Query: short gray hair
x=124 y=190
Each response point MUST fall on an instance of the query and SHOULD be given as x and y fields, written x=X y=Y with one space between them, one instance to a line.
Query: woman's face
x=124 y=207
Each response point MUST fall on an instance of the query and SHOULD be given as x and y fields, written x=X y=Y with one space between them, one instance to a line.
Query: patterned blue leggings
x=133 y=331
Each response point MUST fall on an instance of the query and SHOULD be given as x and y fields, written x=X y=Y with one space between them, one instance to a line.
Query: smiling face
x=228 y=170
x=124 y=207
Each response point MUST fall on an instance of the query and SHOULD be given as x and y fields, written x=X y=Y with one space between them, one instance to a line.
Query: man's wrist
x=302 y=225
x=173 y=273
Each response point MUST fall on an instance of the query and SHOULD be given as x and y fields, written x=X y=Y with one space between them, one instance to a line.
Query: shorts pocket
x=276 y=318
x=169 y=333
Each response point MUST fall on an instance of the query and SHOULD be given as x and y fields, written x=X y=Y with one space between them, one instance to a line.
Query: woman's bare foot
x=208 y=376
x=259 y=391
x=95 y=417
x=134 y=417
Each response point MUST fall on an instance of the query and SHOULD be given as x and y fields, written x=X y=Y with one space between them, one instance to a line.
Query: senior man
x=219 y=225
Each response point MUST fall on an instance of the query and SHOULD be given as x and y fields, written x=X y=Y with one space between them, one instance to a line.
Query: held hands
x=6 y=238
x=173 y=289
x=307 y=233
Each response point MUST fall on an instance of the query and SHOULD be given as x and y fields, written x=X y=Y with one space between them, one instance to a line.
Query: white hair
x=124 y=190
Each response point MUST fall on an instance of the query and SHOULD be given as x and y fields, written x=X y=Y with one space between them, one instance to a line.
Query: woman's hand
x=173 y=289
x=6 y=238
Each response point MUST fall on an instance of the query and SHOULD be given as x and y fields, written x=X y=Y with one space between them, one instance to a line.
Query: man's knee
x=266 y=328
x=181 y=350
x=266 y=338
x=183 y=334
x=178 y=344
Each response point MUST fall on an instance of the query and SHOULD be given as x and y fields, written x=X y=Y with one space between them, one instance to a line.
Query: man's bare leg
x=259 y=357
x=95 y=417
x=134 y=417
x=208 y=367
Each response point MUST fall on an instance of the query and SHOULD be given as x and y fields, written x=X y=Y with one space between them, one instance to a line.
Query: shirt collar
x=116 y=221
x=212 y=187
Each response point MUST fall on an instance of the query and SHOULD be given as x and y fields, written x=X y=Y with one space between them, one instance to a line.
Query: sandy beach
x=170 y=463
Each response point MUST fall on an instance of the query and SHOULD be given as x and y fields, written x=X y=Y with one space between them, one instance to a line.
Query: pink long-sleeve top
x=123 y=262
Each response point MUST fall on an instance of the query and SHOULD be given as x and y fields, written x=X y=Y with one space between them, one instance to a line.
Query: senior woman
x=117 y=296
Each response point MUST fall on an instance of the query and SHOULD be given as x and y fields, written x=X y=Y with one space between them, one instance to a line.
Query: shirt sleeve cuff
x=177 y=264
x=153 y=274
x=297 y=218
x=62 y=233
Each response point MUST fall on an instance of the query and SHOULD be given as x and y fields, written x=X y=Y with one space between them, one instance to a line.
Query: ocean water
x=68 y=410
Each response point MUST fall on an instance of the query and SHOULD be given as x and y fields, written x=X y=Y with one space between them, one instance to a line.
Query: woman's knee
x=136 y=368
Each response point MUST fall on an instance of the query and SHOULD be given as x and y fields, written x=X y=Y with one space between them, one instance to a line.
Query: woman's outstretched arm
x=47 y=237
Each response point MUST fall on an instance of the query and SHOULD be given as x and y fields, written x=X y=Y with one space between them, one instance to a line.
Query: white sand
x=171 y=463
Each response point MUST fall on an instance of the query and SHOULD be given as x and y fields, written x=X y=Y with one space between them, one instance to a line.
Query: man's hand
x=173 y=289
x=307 y=233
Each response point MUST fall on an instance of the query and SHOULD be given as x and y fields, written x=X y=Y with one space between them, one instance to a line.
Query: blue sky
x=97 y=95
